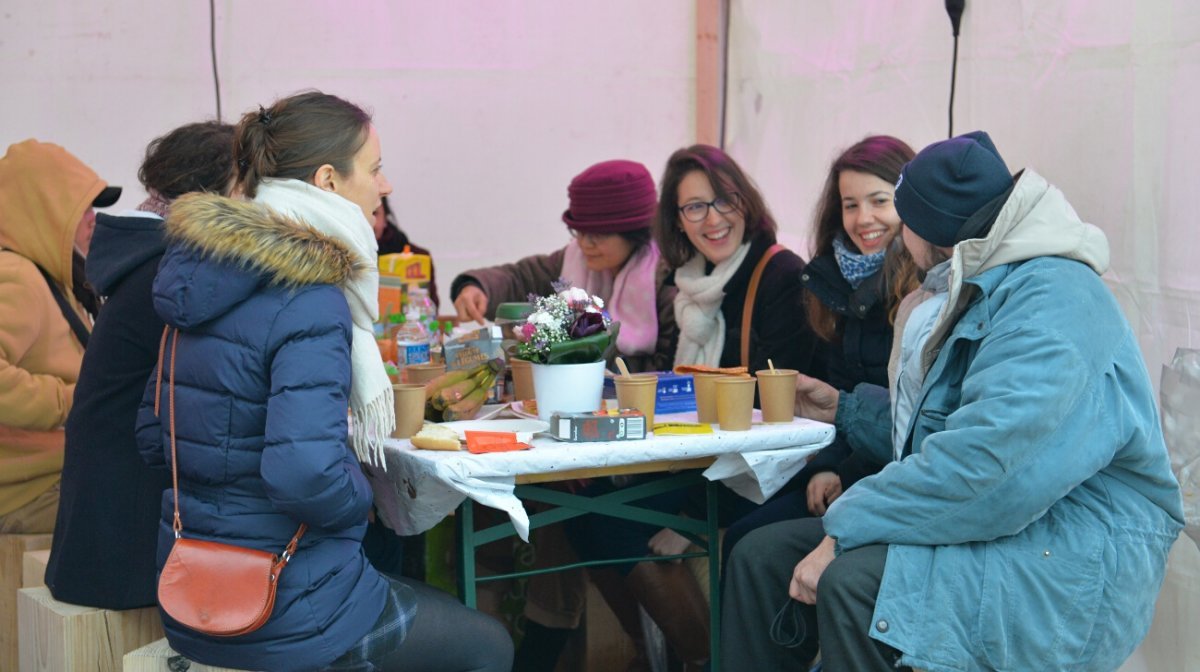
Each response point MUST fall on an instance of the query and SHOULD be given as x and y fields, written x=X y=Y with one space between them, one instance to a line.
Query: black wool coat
x=103 y=553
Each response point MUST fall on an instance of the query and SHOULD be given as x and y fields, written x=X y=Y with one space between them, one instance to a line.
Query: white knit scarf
x=373 y=416
x=631 y=295
x=698 y=308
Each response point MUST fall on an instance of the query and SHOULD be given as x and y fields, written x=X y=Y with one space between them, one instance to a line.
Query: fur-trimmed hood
x=221 y=250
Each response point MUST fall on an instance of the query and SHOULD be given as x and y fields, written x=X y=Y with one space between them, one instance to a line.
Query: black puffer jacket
x=779 y=328
x=858 y=355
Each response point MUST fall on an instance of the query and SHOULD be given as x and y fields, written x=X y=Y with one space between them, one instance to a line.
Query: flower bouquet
x=567 y=339
x=567 y=327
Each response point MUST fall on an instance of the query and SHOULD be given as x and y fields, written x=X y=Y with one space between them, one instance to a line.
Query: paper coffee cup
x=419 y=374
x=706 y=396
x=522 y=377
x=409 y=401
x=640 y=392
x=735 y=402
x=777 y=394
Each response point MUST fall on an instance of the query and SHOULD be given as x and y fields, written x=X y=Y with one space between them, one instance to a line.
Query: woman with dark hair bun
x=270 y=306
x=108 y=492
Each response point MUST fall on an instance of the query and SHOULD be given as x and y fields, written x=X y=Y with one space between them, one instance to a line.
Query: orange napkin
x=493 y=442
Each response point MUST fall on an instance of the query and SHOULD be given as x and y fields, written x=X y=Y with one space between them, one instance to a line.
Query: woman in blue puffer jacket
x=273 y=301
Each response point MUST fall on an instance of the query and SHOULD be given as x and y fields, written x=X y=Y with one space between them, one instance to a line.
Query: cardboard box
x=625 y=424
x=474 y=348
x=675 y=392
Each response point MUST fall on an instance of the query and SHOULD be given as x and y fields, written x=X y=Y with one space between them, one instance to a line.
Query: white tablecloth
x=420 y=487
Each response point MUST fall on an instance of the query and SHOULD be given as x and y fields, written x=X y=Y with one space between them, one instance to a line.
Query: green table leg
x=714 y=578
x=466 y=524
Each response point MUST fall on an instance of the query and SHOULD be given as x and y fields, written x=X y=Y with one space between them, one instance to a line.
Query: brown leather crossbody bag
x=214 y=588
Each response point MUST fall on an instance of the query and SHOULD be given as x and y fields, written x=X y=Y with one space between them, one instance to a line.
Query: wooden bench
x=33 y=568
x=59 y=637
x=12 y=557
x=153 y=657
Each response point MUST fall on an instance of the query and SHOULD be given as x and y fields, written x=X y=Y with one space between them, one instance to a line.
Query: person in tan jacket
x=46 y=201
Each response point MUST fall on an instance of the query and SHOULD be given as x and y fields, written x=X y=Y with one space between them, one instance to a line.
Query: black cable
x=953 y=77
x=724 y=70
x=954 y=9
x=212 y=47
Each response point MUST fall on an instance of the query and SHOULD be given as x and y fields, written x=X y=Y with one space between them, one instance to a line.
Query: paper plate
x=518 y=408
x=525 y=429
x=489 y=411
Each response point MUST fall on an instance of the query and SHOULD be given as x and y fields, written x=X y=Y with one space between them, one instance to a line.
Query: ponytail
x=295 y=136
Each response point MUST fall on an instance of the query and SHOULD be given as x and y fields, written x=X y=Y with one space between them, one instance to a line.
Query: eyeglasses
x=588 y=237
x=698 y=212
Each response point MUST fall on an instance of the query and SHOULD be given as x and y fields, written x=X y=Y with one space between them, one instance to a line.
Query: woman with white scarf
x=713 y=228
x=270 y=304
x=611 y=256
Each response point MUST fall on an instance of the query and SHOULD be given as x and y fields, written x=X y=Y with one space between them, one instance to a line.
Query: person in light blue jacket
x=1026 y=522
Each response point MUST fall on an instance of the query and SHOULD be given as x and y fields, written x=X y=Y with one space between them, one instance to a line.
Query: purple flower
x=586 y=324
x=525 y=332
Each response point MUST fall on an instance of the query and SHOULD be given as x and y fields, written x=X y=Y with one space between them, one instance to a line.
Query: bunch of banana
x=458 y=395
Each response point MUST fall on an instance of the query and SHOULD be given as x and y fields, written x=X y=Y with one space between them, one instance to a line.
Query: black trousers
x=756 y=590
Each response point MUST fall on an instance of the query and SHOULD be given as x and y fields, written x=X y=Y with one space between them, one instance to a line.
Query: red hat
x=611 y=197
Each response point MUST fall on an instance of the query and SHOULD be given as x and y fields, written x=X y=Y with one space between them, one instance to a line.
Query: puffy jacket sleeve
x=1034 y=421
x=28 y=400
x=307 y=467
x=513 y=282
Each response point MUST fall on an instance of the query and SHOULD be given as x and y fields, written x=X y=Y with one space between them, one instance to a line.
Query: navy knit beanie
x=946 y=183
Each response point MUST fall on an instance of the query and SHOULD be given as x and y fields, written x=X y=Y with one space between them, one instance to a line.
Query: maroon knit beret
x=611 y=197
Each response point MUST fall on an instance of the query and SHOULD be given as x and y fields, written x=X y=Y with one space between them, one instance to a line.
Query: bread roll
x=436 y=437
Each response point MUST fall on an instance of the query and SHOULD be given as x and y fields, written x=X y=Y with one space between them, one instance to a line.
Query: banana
x=454 y=393
x=456 y=386
x=466 y=408
x=446 y=379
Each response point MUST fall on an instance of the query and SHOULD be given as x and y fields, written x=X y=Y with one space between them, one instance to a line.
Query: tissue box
x=625 y=424
x=675 y=392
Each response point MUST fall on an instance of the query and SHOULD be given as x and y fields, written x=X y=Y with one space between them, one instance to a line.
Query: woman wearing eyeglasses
x=611 y=256
x=714 y=229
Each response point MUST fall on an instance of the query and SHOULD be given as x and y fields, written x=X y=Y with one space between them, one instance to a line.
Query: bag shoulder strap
x=177 y=523
x=751 y=292
x=77 y=326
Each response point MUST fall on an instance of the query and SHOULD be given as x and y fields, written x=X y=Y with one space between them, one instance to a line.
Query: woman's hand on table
x=471 y=304
x=668 y=542
x=816 y=399
x=808 y=573
x=823 y=488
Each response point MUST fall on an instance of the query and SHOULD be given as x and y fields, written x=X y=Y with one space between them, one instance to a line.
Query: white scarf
x=631 y=296
x=698 y=308
x=372 y=414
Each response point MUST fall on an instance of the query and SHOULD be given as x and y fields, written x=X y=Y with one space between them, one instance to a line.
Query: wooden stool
x=33 y=572
x=60 y=637
x=12 y=551
x=153 y=657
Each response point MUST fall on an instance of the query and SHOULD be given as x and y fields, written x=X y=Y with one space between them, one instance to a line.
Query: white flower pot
x=567 y=388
